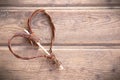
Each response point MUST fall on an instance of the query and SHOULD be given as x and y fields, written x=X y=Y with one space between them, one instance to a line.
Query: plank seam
x=59 y=8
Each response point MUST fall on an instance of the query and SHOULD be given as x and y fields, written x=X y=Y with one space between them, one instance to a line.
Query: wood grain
x=72 y=27
x=87 y=39
x=81 y=64
x=57 y=3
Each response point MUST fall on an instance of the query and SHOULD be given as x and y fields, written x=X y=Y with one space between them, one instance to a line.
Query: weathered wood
x=81 y=64
x=59 y=3
x=87 y=39
x=72 y=27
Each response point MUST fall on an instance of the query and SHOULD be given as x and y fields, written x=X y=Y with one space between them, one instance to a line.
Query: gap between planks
x=59 y=8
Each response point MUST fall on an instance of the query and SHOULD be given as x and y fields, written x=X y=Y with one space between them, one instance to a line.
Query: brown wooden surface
x=91 y=48
x=87 y=39
x=73 y=27
x=79 y=64
x=59 y=3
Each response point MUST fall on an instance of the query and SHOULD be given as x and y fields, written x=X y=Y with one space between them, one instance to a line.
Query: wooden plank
x=81 y=64
x=59 y=3
x=94 y=27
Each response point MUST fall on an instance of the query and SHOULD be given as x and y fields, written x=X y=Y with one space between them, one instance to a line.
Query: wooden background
x=87 y=39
